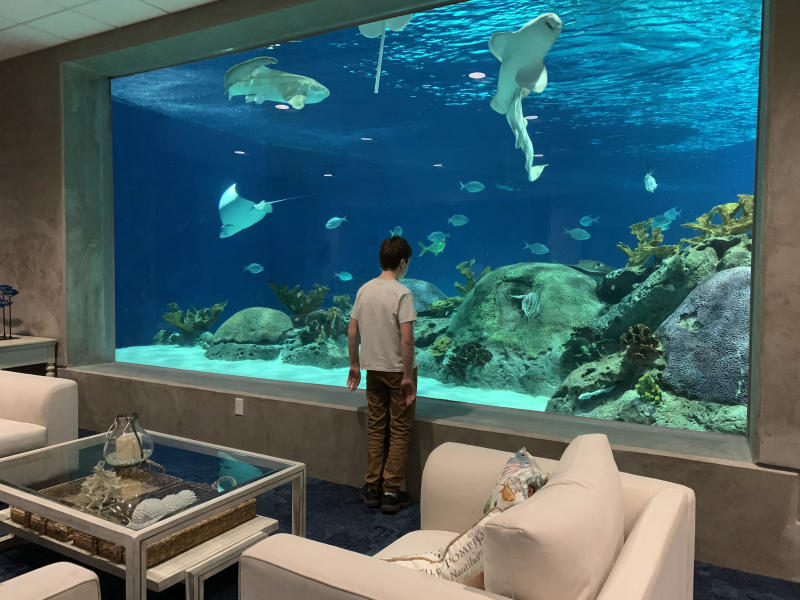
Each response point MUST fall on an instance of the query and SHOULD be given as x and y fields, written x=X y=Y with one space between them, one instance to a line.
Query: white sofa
x=59 y=581
x=652 y=559
x=36 y=411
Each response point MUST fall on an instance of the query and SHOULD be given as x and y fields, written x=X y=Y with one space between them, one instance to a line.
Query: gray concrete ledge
x=555 y=427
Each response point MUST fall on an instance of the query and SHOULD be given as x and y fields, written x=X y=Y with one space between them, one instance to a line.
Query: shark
x=522 y=71
x=257 y=82
x=237 y=213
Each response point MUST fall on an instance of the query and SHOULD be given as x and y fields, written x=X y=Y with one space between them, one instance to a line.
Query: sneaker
x=391 y=504
x=370 y=496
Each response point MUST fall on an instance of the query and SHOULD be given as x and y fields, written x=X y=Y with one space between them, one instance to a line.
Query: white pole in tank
x=380 y=60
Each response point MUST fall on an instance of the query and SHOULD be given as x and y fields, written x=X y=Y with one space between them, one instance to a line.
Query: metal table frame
x=136 y=542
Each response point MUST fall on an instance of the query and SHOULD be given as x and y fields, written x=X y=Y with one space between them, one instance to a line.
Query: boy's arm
x=354 y=376
x=408 y=385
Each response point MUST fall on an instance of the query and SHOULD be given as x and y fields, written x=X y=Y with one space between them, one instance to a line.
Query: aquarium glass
x=581 y=232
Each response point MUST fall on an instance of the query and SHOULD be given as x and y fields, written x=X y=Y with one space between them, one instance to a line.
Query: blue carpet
x=336 y=516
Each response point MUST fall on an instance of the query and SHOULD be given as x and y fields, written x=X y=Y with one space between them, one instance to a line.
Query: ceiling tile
x=176 y=5
x=68 y=3
x=26 y=10
x=7 y=51
x=118 y=13
x=69 y=25
x=29 y=39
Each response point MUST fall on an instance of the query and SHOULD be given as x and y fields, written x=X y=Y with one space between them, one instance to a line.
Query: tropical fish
x=587 y=220
x=506 y=188
x=237 y=213
x=396 y=231
x=577 y=233
x=665 y=219
x=438 y=236
x=472 y=186
x=334 y=222
x=435 y=248
x=458 y=220
x=254 y=268
x=536 y=248
x=531 y=304
x=343 y=275
x=522 y=70
x=254 y=80
x=649 y=181
x=589 y=395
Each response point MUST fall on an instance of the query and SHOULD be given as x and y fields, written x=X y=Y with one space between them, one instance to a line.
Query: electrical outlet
x=238 y=406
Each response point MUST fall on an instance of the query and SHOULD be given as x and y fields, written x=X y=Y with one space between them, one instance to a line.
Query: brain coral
x=706 y=340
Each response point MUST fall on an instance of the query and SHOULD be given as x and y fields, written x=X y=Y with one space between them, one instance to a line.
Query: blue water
x=632 y=86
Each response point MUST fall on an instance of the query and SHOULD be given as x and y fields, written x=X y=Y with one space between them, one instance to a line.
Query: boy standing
x=384 y=315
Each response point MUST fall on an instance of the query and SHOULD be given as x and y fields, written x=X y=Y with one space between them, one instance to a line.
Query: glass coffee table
x=197 y=512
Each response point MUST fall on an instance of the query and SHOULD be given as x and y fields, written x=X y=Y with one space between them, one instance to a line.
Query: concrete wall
x=55 y=245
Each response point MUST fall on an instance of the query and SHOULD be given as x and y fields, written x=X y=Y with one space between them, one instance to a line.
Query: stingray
x=237 y=213
x=257 y=82
x=522 y=70
x=378 y=28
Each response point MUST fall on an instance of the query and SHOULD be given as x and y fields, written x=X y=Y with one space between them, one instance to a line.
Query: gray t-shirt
x=381 y=306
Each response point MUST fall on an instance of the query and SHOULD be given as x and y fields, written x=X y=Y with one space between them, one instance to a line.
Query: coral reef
x=465 y=359
x=640 y=343
x=296 y=300
x=465 y=268
x=736 y=217
x=649 y=244
x=192 y=322
x=440 y=347
x=322 y=325
x=648 y=389
x=707 y=340
x=343 y=303
x=585 y=344
x=442 y=308
x=424 y=293
x=254 y=325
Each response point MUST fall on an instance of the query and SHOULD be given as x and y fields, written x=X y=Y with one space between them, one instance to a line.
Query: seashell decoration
x=151 y=510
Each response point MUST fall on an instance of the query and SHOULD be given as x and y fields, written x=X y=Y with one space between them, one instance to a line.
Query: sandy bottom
x=193 y=359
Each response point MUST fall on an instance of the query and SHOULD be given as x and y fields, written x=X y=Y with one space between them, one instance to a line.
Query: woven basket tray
x=148 y=485
x=157 y=552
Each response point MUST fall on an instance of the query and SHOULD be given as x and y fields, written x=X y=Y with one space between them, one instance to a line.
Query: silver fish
x=253 y=268
x=438 y=236
x=589 y=395
x=577 y=233
x=396 y=231
x=536 y=248
x=334 y=222
x=472 y=187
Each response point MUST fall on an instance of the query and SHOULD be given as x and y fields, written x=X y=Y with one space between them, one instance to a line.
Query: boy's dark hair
x=393 y=250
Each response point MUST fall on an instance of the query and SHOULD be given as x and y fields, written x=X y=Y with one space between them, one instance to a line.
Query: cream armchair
x=652 y=559
x=36 y=411
x=59 y=581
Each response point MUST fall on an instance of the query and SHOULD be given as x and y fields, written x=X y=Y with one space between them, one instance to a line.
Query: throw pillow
x=518 y=481
x=563 y=542
x=460 y=561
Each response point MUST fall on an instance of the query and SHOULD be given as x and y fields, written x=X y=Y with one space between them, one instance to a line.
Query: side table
x=26 y=350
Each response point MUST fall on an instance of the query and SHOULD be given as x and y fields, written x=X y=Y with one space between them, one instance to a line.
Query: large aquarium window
x=576 y=180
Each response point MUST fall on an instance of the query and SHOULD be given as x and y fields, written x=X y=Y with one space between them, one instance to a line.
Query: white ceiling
x=30 y=25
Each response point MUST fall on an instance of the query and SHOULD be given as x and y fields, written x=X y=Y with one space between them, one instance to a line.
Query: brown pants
x=389 y=423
